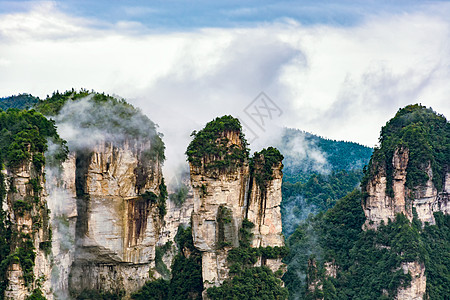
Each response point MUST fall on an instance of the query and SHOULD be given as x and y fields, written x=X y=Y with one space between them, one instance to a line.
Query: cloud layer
x=338 y=82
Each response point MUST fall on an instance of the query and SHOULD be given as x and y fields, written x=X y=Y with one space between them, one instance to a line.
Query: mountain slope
x=383 y=249
x=21 y=101
x=317 y=172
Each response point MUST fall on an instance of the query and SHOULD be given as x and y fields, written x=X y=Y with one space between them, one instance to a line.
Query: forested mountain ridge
x=306 y=154
x=392 y=239
x=317 y=172
x=21 y=101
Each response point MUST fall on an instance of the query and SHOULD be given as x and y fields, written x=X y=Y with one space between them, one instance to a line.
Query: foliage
x=21 y=101
x=253 y=283
x=24 y=137
x=5 y=238
x=36 y=295
x=153 y=290
x=436 y=240
x=318 y=193
x=160 y=266
x=368 y=262
x=262 y=164
x=162 y=199
x=210 y=146
x=425 y=134
x=180 y=194
x=306 y=154
x=224 y=225
x=150 y=197
x=24 y=134
x=248 y=281
x=186 y=281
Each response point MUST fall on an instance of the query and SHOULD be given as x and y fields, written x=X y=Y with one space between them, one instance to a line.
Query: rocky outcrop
x=109 y=228
x=223 y=198
x=220 y=205
x=416 y=290
x=264 y=211
x=26 y=209
x=425 y=200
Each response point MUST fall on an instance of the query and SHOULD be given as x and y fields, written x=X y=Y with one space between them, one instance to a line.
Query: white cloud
x=338 y=82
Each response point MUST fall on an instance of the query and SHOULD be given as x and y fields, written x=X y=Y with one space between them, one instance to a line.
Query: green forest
x=368 y=263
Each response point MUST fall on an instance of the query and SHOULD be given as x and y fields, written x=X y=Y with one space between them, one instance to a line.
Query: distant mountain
x=306 y=154
x=21 y=101
x=317 y=172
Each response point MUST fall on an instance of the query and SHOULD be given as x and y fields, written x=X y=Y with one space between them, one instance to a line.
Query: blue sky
x=339 y=69
x=185 y=15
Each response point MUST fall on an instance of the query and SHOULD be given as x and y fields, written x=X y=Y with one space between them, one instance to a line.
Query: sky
x=339 y=69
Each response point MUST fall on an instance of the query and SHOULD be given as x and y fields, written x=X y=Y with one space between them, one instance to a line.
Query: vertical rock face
x=218 y=195
x=425 y=200
x=117 y=226
x=264 y=211
x=418 y=282
x=226 y=191
x=26 y=208
x=409 y=175
x=379 y=206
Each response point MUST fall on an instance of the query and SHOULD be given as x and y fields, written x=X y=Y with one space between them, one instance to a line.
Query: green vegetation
x=211 y=147
x=262 y=164
x=21 y=101
x=160 y=266
x=254 y=283
x=248 y=281
x=225 y=227
x=110 y=115
x=186 y=281
x=24 y=137
x=162 y=199
x=180 y=194
x=319 y=193
x=153 y=290
x=36 y=295
x=368 y=262
x=425 y=135
x=306 y=154
x=436 y=241
x=317 y=172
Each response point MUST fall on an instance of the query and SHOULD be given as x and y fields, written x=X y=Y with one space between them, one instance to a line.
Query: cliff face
x=223 y=198
x=425 y=200
x=409 y=175
x=26 y=209
x=114 y=219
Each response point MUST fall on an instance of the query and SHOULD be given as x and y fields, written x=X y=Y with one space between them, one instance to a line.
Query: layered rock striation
x=409 y=175
x=228 y=188
x=27 y=211
x=118 y=220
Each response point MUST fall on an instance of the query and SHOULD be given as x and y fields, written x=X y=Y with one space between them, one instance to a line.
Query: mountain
x=85 y=210
x=306 y=154
x=21 y=101
x=390 y=240
x=317 y=172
